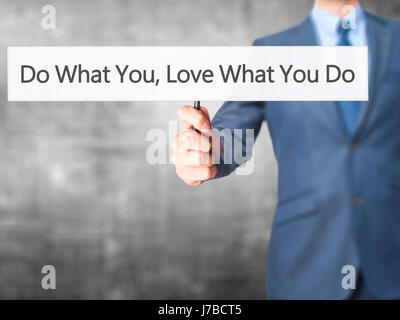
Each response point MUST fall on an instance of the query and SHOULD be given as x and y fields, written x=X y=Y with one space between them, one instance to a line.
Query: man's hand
x=193 y=151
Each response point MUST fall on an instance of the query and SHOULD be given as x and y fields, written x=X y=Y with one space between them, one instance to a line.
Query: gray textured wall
x=76 y=190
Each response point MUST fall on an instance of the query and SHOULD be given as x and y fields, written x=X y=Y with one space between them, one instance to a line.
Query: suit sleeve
x=233 y=120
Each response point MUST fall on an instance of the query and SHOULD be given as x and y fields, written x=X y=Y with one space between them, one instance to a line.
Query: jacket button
x=356 y=201
x=353 y=145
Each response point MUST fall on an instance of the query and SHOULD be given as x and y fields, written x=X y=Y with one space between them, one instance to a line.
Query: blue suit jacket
x=338 y=196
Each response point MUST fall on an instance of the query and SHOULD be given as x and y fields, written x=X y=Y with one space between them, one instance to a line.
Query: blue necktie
x=348 y=109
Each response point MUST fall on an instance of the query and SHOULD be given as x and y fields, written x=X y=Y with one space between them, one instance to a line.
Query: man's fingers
x=190 y=117
x=192 y=150
x=195 y=175
x=191 y=158
x=191 y=140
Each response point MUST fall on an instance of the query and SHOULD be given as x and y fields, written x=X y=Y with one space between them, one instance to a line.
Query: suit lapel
x=379 y=39
x=328 y=110
x=306 y=35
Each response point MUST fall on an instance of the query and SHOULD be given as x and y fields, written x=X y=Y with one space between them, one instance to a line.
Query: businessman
x=339 y=166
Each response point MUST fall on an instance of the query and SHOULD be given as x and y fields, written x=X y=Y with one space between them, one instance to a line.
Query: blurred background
x=76 y=191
